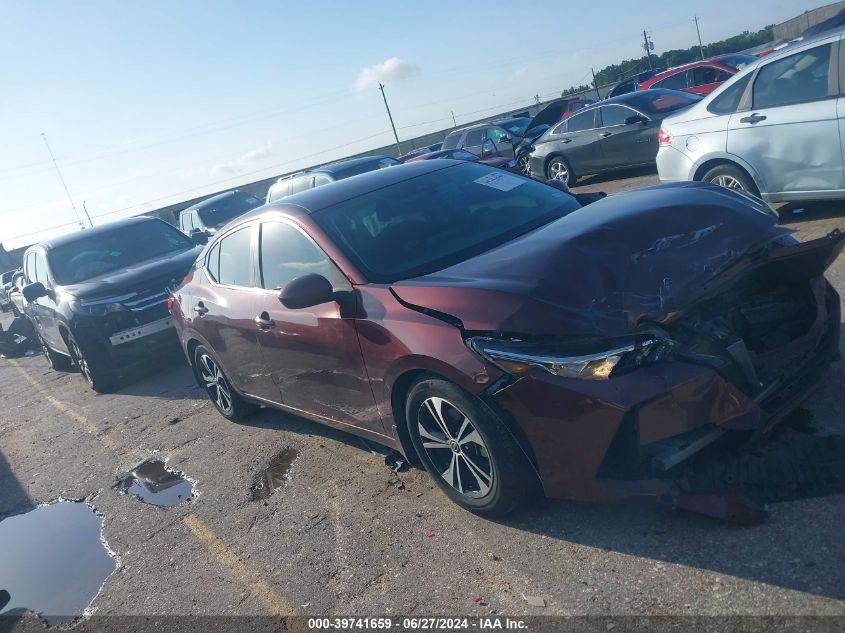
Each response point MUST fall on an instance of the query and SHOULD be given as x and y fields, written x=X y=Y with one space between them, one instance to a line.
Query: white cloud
x=235 y=166
x=391 y=69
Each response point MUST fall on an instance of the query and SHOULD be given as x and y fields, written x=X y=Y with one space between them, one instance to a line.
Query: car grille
x=147 y=299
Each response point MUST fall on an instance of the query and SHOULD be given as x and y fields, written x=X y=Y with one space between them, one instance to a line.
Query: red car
x=511 y=342
x=698 y=77
x=574 y=105
x=507 y=164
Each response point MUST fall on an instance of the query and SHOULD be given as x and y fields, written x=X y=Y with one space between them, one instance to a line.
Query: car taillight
x=170 y=304
x=663 y=137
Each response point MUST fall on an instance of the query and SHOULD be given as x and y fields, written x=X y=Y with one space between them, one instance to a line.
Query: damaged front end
x=667 y=413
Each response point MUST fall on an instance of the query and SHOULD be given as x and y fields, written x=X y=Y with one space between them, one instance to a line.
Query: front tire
x=558 y=168
x=95 y=368
x=467 y=450
x=219 y=389
x=731 y=177
x=523 y=161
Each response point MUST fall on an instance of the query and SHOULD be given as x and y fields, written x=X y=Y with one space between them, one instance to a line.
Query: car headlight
x=588 y=360
x=96 y=308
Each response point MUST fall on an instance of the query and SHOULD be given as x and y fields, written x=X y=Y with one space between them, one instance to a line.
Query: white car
x=774 y=130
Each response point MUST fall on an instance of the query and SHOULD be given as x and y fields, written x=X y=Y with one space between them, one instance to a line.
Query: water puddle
x=275 y=475
x=152 y=482
x=53 y=561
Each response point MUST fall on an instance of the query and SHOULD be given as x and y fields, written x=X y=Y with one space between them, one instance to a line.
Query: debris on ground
x=493 y=557
x=18 y=340
x=430 y=535
x=535 y=601
x=395 y=462
x=397 y=483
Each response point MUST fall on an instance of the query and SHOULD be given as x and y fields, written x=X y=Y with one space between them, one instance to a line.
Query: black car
x=327 y=174
x=98 y=298
x=611 y=134
x=632 y=84
x=205 y=218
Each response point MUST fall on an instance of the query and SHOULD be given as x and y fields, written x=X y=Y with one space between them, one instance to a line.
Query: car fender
x=722 y=156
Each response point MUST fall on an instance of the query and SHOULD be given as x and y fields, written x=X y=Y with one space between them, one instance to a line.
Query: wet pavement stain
x=53 y=561
x=275 y=475
x=153 y=483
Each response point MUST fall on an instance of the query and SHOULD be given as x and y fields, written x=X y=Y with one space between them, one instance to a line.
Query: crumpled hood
x=635 y=256
x=137 y=277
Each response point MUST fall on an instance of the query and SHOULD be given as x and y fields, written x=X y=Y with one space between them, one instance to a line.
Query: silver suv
x=772 y=130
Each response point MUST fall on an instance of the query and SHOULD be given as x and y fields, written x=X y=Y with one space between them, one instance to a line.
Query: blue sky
x=146 y=104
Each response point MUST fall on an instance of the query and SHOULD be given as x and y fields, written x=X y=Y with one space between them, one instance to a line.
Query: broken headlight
x=96 y=308
x=588 y=360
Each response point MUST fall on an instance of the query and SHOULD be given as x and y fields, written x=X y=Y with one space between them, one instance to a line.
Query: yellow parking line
x=80 y=419
x=259 y=588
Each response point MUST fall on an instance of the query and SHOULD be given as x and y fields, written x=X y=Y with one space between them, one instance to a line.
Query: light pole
x=648 y=46
x=390 y=116
x=700 y=47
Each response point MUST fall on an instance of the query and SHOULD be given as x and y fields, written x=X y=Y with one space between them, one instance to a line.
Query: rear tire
x=731 y=177
x=219 y=388
x=558 y=168
x=467 y=450
x=95 y=368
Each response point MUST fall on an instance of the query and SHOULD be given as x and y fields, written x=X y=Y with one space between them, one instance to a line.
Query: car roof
x=312 y=200
x=70 y=238
x=209 y=201
x=629 y=96
x=333 y=168
x=676 y=69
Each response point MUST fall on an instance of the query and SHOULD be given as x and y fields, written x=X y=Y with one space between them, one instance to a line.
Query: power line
x=62 y=180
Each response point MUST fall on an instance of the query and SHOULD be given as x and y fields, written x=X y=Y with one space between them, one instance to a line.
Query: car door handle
x=264 y=322
x=200 y=309
x=605 y=134
x=754 y=118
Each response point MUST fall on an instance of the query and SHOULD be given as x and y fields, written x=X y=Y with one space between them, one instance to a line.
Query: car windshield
x=460 y=154
x=432 y=221
x=218 y=213
x=95 y=255
x=516 y=127
x=661 y=101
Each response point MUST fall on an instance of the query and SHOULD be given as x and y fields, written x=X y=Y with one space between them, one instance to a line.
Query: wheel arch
x=706 y=165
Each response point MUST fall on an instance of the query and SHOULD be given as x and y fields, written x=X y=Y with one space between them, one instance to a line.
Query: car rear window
x=218 y=213
x=661 y=101
x=431 y=221
x=96 y=255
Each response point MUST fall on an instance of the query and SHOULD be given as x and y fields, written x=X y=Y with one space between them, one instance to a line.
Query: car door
x=790 y=134
x=43 y=309
x=703 y=80
x=580 y=142
x=223 y=314
x=677 y=81
x=497 y=136
x=625 y=144
x=312 y=354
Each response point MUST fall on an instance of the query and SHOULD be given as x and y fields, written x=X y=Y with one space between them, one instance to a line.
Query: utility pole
x=454 y=123
x=700 y=47
x=390 y=116
x=87 y=215
x=61 y=178
x=595 y=84
x=648 y=46
x=537 y=99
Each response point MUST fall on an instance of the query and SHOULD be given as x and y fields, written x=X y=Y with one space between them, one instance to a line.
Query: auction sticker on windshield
x=501 y=181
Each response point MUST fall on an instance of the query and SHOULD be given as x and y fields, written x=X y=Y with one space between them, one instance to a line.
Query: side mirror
x=306 y=291
x=507 y=139
x=635 y=118
x=34 y=291
x=198 y=236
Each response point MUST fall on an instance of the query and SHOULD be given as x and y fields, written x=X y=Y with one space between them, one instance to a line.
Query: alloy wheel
x=523 y=164
x=79 y=359
x=558 y=171
x=728 y=182
x=455 y=447
x=215 y=383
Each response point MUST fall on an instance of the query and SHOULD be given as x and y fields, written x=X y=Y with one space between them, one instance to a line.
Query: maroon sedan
x=500 y=162
x=510 y=341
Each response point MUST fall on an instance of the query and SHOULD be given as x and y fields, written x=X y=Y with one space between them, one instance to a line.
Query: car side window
x=581 y=121
x=29 y=267
x=728 y=101
x=321 y=179
x=183 y=222
x=287 y=253
x=496 y=135
x=235 y=267
x=212 y=262
x=794 y=79
x=678 y=81
x=279 y=190
x=41 y=269
x=560 y=128
x=474 y=138
x=451 y=141
x=614 y=115
x=702 y=75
